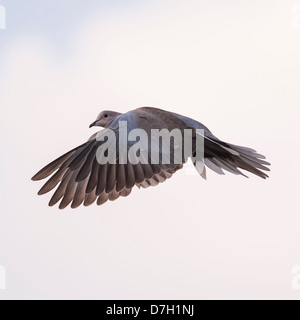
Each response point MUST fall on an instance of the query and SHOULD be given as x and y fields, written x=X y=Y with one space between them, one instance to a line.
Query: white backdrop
x=234 y=67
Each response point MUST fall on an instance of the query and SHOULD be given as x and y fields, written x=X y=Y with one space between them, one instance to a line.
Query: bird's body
x=83 y=179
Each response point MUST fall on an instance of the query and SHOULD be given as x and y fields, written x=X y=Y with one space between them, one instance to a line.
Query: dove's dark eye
x=106 y=115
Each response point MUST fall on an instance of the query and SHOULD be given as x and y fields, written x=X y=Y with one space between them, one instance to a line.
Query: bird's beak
x=93 y=124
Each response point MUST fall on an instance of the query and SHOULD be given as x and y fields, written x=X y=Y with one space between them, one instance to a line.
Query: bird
x=81 y=179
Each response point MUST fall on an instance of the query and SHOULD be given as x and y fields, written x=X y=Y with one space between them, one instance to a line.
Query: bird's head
x=104 y=118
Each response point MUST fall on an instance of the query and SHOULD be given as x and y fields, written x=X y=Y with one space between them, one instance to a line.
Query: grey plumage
x=90 y=198
x=80 y=179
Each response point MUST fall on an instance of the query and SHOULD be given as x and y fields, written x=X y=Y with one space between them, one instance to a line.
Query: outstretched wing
x=80 y=178
x=219 y=155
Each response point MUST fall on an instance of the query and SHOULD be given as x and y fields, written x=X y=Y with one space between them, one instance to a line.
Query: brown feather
x=111 y=178
x=139 y=173
x=80 y=158
x=93 y=180
x=126 y=192
x=90 y=198
x=130 y=177
x=80 y=194
x=60 y=191
x=102 y=199
x=87 y=166
x=50 y=168
x=53 y=181
x=114 y=195
x=70 y=191
x=102 y=179
x=121 y=182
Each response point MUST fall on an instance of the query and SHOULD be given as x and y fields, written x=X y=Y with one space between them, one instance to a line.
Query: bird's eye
x=106 y=115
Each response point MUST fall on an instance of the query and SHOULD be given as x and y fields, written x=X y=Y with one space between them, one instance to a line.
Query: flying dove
x=83 y=179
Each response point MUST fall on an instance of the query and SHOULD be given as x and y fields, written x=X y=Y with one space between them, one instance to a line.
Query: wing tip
x=36 y=177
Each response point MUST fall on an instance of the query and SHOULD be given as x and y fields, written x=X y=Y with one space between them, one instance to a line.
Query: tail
x=219 y=156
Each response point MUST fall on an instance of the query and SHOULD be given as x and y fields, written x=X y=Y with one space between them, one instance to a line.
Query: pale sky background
x=233 y=65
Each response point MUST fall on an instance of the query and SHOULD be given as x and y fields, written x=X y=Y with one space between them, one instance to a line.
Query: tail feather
x=219 y=156
x=213 y=166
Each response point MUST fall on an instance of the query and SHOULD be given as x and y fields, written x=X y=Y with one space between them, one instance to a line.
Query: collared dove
x=82 y=179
